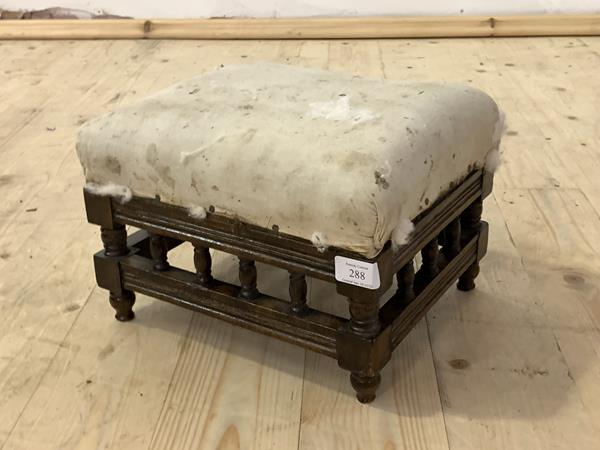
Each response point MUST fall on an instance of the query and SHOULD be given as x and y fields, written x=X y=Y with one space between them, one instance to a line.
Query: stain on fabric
x=151 y=154
x=113 y=164
x=248 y=135
x=162 y=170
x=194 y=183
x=380 y=180
x=351 y=159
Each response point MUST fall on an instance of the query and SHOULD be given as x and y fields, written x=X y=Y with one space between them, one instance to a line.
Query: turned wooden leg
x=123 y=305
x=364 y=343
x=298 y=293
x=364 y=316
x=365 y=385
x=364 y=322
x=203 y=264
x=115 y=245
x=248 y=279
x=405 y=278
x=158 y=249
x=470 y=222
x=466 y=282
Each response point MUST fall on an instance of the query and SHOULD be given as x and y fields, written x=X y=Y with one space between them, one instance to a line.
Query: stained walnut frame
x=450 y=236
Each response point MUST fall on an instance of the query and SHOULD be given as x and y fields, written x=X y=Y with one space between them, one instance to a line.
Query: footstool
x=321 y=174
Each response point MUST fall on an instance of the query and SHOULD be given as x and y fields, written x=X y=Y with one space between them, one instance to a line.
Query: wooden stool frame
x=450 y=236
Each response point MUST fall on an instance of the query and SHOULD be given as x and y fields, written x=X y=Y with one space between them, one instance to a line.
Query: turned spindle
x=451 y=246
x=248 y=279
x=203 y=264
x=114 y=240
x=298 y=291
x=470 y=222
x=405 y=278
x=429 y=267
x=430 y=255
x=158 y=250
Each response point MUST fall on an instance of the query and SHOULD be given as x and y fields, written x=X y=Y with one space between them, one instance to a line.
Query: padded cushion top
x=322 y=155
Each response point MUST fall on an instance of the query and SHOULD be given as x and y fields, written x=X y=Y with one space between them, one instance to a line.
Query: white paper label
x=358 y=273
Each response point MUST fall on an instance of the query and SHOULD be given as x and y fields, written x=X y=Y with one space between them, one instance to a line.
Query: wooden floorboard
x=513 y=364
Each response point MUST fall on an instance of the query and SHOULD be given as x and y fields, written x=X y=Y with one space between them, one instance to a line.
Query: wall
x=303 y=8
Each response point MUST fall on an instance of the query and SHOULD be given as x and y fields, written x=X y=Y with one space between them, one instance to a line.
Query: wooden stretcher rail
x=268 y=315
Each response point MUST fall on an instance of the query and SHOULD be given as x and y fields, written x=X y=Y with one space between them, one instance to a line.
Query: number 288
x=357 y=274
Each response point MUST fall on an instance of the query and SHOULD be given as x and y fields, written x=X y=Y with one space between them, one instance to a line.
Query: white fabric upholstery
x=316 y=153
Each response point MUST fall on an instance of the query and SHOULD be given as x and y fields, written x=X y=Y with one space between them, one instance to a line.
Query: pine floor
x=514 y=364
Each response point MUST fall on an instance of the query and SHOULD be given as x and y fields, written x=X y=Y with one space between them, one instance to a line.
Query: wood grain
x=305 y=28
x=513 y=364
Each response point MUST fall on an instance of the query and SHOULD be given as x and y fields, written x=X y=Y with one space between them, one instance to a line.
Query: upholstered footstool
x=321 y=174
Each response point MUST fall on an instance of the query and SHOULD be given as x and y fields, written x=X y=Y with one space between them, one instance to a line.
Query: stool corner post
x=99 y=209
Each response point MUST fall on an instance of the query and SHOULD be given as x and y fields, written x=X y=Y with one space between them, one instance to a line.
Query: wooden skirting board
x=304 y=28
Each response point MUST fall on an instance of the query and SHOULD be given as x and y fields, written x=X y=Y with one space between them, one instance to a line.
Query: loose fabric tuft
x=493 y=160
x=401 y=233
x=122 y=193
x=320 y=241
x=197 y=212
